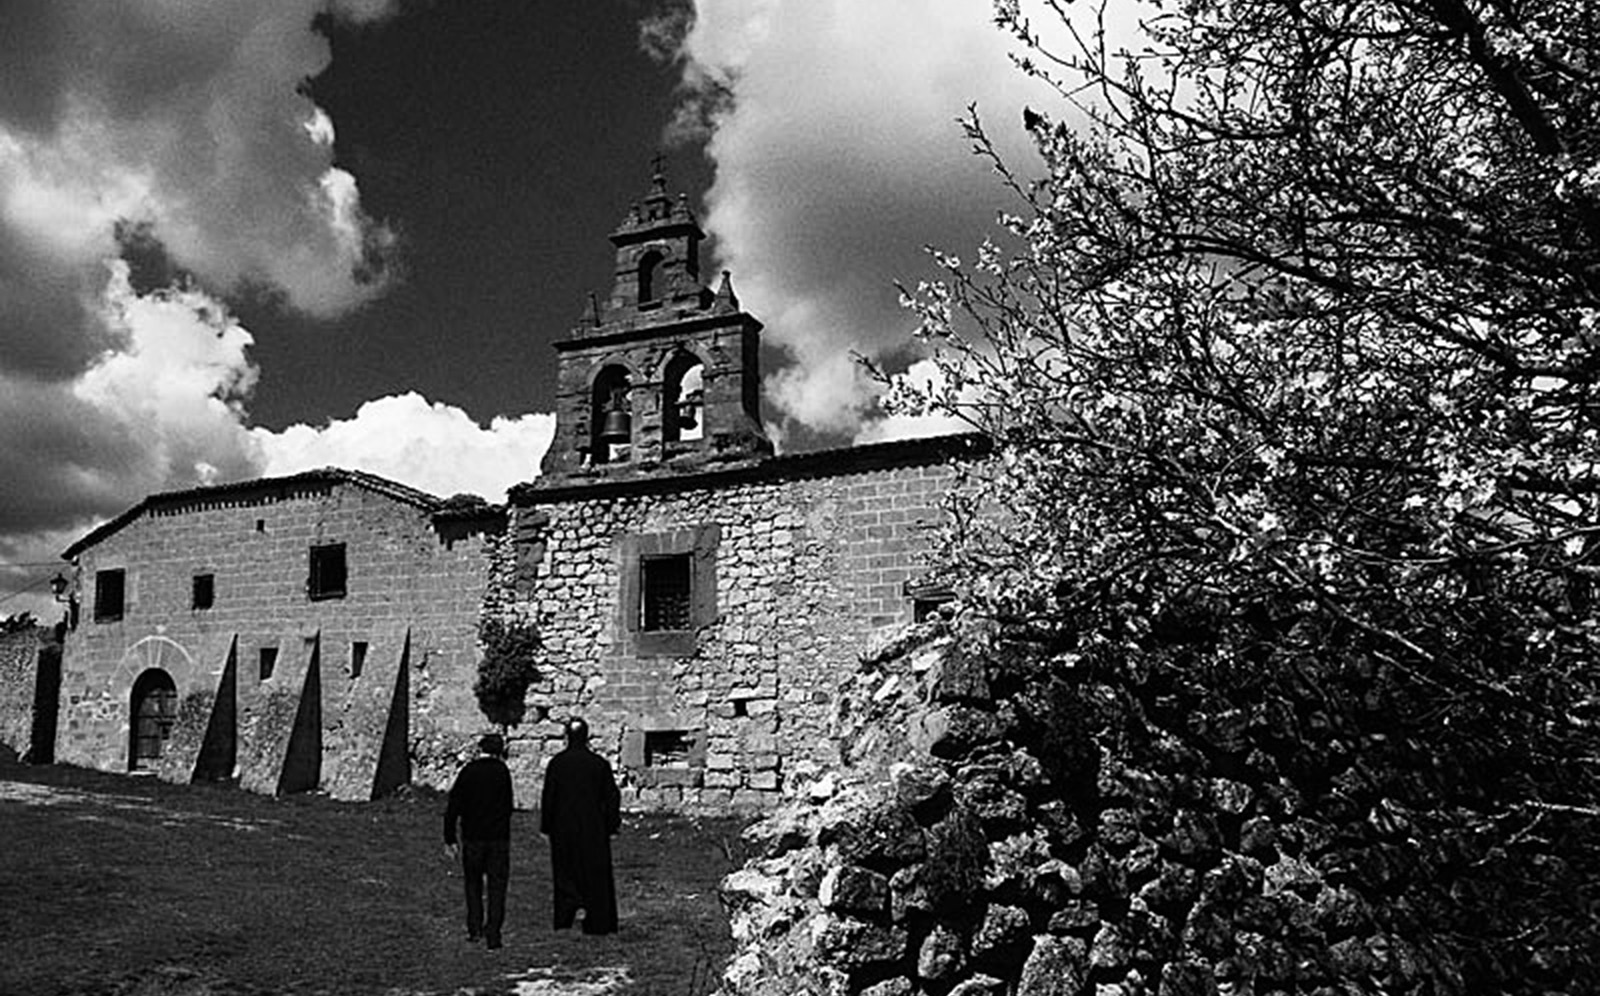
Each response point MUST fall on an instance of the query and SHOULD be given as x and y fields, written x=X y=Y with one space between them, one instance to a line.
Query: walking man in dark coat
x=481 y=800
x=581 y=809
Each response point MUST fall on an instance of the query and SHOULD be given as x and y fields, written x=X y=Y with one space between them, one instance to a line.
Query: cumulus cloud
x=175 y=138
x=832 y=126
x=161 y=409
x=432 y=446
x=920 y=380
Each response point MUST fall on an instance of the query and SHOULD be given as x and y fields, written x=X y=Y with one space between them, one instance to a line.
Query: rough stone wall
x=19 y=667
x=944 y=857
x=412 y=596
x=805 y=570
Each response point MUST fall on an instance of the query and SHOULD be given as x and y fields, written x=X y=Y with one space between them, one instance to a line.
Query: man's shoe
x=494 y=944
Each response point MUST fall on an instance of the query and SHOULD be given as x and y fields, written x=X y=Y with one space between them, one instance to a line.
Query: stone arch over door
x=150 y=654
x=152 y=713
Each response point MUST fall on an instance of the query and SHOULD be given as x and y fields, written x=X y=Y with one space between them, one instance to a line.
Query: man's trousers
x=480 y=860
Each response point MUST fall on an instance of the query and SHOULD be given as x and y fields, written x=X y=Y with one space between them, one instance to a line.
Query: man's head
x=577 y=732
x=492 y=744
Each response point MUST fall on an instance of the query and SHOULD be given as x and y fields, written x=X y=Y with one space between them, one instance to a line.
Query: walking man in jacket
x=580 y=811
x=481 y=800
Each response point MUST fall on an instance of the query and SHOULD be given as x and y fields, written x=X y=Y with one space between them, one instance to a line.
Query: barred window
x=666 y=748
x=667 y=586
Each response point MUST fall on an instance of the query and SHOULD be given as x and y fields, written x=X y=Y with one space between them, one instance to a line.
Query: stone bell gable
x=697 y=595
x=662 y=374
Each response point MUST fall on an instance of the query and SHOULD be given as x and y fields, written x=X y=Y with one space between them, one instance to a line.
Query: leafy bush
x=508 y=666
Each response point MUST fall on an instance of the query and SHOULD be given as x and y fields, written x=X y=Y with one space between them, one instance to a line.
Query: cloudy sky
x=242 y=238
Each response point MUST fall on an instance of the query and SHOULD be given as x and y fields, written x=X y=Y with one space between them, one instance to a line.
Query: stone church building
x=698 y=597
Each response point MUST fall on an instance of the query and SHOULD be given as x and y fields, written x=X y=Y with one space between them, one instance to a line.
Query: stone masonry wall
x=804 y=571
x=953 y=854
x=19 y=665
x=412 y=597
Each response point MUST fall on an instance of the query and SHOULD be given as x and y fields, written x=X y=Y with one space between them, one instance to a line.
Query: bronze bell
x=617 y=427
x=687 y=408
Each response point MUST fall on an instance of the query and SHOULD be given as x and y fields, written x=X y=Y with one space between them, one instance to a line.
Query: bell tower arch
x=662 y=375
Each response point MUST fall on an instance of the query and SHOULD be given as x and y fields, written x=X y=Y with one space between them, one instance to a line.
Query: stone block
x=979 y=985
x=922 y=789
x=715 y=798
x=998 y=808
x=765 y=781
x=1186 y=978
x=672 y=777
x=1258 y=838
x=1109 y=951
x=1291 y=874
x=851 y=943
x=1001 y=938
x=1172 y=890
x=1119 y=828
x=884 y=836
x=941 y=955
x=853 y=889
x=958 y=675
x=953 y=731
x=719 y=762
x=1076 y=916
x=1056 y=966
x=908 y=893
x=1195 y=837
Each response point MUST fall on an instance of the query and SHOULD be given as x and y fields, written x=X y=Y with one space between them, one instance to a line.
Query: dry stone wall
x=962 y=849
x=792 y=574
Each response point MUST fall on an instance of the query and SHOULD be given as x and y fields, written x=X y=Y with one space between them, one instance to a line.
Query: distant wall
x=19 y=668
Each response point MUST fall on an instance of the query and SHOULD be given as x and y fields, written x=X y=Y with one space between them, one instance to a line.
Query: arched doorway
x=153 y=710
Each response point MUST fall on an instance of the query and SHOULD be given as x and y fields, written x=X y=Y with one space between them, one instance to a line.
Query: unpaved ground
x=129 y=887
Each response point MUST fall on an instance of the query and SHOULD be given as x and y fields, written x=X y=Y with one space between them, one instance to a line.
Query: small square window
x=269 y=661
x=204 y=591
x=666 y=592
x=327 y=572
x=261 y=525
x=666 y=748
x=358 y=657
x=109 y=590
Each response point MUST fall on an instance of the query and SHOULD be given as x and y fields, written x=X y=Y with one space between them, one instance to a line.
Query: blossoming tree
x=1290 y=355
